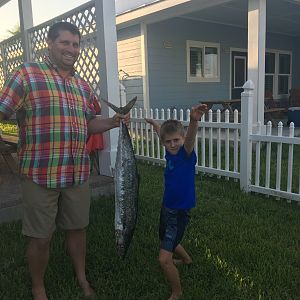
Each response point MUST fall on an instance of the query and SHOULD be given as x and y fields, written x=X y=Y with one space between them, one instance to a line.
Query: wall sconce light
x=167 y=44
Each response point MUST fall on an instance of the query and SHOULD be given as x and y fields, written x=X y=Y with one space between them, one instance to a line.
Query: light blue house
x=177 y=53
x=174 y=53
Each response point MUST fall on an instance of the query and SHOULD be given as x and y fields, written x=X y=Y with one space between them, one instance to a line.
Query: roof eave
x=161 y=10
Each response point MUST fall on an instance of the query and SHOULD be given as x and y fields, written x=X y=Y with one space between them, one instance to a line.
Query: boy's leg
x=171 y=272
x=184 y=258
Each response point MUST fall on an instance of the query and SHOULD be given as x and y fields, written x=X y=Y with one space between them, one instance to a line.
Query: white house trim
x=202 y=44
x=162 y=10
x=145 y=73
x=256 y=55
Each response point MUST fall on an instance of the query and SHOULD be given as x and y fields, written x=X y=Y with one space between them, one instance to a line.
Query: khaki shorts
x=44 y=208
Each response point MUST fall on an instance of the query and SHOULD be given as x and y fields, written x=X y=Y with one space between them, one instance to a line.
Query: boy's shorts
x=44 y=208
x=172 y=226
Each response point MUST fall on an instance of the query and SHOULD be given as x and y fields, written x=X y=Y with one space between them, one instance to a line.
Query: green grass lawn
x=9 y=127
x=243 y=247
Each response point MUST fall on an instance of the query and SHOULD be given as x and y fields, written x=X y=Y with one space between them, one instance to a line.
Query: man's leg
x=39 y=212
x=76 y=242
x=171 y=272
x=38 y=255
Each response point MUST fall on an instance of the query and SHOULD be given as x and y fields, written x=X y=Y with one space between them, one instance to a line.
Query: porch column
x=26 y=22
x=106 y=42
x=256 y=55
x=144 y=50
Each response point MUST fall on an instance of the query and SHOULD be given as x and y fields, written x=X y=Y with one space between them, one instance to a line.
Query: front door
x=238 y=73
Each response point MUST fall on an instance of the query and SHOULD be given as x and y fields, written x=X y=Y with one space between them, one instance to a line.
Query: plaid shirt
x=53 y=113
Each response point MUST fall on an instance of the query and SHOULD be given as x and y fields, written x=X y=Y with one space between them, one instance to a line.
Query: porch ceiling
x=283 y=16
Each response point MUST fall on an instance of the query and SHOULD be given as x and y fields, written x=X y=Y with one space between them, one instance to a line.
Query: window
x=284 y=74
x=269 y=73
x=278 y=73
x=203 y=62
x=240 y=71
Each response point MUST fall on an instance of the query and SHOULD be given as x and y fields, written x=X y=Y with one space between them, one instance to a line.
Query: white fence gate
x=227 y=148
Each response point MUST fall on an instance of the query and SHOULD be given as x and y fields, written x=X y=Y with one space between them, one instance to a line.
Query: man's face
x=64 y=50
x=173 y=142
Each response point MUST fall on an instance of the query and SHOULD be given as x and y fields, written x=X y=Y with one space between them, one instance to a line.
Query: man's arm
x=155 y=125
x=99 y=125
x=195 y=116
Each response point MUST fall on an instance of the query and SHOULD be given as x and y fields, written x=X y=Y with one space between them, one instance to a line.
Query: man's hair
x=54 y=30
x=171 y=127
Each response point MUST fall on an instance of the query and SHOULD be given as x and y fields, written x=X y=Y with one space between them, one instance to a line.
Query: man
x=55 y=113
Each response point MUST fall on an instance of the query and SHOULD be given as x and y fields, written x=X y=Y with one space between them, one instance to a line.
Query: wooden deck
x=11 y=195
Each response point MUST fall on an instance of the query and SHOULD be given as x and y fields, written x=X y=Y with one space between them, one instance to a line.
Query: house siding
x=296 y=65
x=130 y=61
x=168 y=86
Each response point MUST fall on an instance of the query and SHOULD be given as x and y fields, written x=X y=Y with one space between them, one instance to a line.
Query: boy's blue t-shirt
x=180 y=180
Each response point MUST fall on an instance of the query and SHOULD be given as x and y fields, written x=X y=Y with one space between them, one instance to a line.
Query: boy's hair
x=54 y=30
x=171 y=127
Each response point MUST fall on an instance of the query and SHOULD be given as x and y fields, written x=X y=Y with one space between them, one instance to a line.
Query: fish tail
x=123 y=110
x=126 y=109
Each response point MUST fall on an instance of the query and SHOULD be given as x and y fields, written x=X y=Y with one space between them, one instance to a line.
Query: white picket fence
x=227 y=148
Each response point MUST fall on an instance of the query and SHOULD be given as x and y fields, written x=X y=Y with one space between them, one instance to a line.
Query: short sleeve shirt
x=180 y=180
x=54 y=112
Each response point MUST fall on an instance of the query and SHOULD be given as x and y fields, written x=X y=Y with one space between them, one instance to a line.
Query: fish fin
x=121 y=110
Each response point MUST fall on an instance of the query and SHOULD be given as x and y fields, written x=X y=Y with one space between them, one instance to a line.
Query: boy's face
x=173 y=142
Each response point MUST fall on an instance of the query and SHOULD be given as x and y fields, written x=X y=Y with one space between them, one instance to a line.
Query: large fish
x=126 y=185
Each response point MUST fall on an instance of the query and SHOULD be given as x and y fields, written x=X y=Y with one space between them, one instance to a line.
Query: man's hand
x=198 y=111
x=117 y=118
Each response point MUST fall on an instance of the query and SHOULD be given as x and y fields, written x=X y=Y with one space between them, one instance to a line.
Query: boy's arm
x=155 y=125
x=195 y=116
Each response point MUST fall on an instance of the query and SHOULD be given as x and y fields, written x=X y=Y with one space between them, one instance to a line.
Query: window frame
x=276 y=73
x=202 y=45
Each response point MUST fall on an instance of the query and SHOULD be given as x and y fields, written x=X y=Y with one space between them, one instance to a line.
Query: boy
x=179 y=193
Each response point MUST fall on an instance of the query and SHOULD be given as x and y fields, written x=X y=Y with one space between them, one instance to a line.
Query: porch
x=11 y=195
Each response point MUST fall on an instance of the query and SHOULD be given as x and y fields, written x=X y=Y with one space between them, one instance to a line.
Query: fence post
x=246 y=131
x=122 y=94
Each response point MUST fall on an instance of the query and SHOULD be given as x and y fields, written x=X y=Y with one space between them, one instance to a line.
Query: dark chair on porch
x=294 y=98
x=294 y=107
x=274 y=109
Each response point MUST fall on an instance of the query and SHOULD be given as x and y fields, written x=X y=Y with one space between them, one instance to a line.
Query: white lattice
x=87 y=64
x=11 y=56
x=2 y=68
